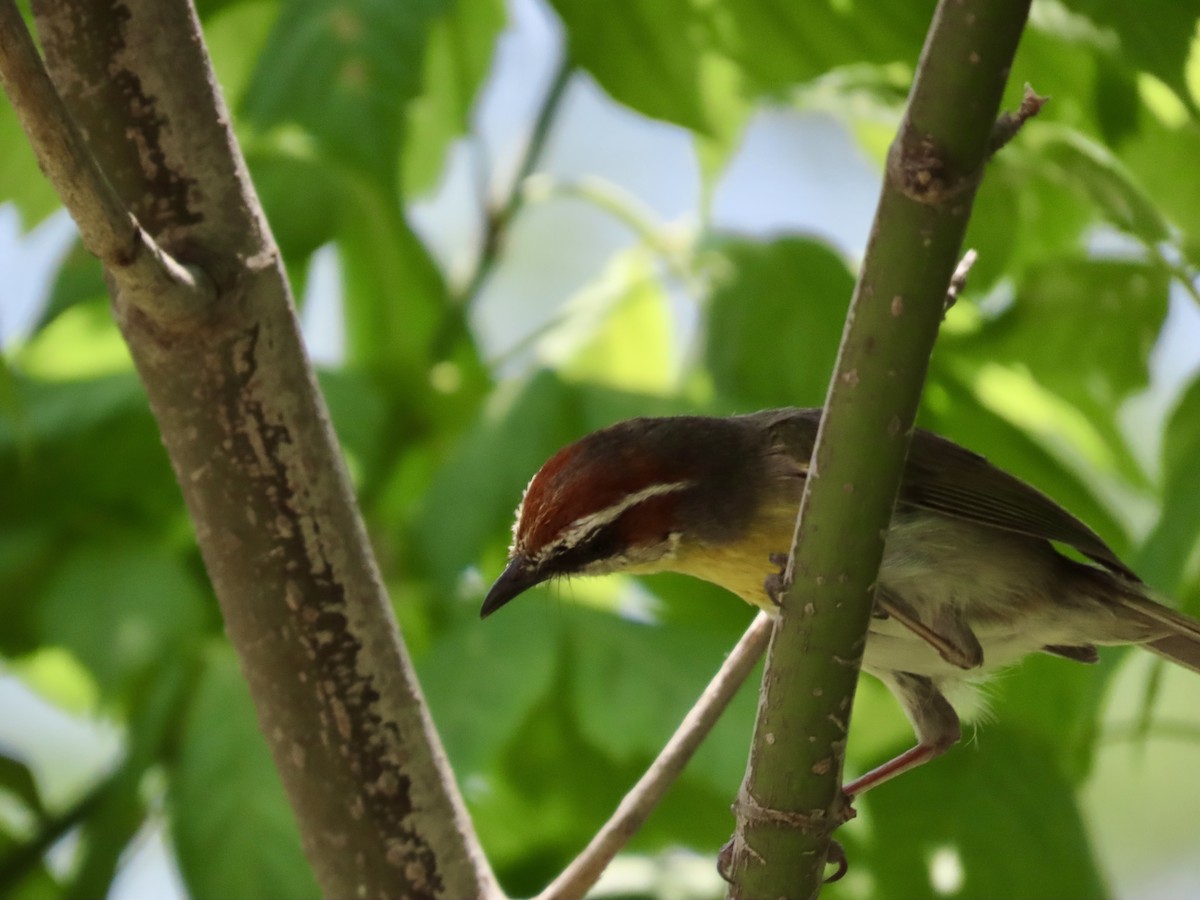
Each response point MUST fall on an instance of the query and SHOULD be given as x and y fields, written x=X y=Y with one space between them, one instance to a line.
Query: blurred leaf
x=79 y=280
x=1176 y=536
x=120 y=605
x=652 y=55
x=953 y=410
x=344 y=71
x=35 y=883
x=1156 y=156
x=395 y=296
x=85 y=456
x=1052 y=331
x=1118 y=105
x=21 y=180
x=235 y=32
x=82 y=341
x=634 y=683
x=1052 y=327
x=1057 y=700
x=685 y=62
x=1098 y=174
x=17 y=780
x=297 y=195
x=233 y=831
x=482 y=680
x=120 y=807
x=617 y=330
x=457 y=58
x=1023 y=216
x=994 y=819
x=28 y=555
x=792 y=293
x=779 y=44
x=1154 y=35
x=359 y=413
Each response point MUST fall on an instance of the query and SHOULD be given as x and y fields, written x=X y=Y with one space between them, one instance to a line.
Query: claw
x=836 y=855
x=777 y=583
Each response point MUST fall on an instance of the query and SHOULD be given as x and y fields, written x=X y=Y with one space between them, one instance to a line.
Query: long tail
x=1182 y=645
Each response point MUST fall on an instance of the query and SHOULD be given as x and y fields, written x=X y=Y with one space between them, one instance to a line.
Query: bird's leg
x=949 y=634
x=933 y=719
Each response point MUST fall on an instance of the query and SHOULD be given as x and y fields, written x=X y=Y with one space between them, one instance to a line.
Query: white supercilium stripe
x=585 y=525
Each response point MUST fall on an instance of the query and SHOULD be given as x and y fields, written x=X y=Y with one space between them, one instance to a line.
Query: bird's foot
x=777 y=583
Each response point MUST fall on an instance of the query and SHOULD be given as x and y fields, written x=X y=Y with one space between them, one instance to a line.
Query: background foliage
x=348 y=112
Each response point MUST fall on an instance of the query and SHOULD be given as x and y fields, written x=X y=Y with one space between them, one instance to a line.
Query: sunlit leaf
x=617 y=331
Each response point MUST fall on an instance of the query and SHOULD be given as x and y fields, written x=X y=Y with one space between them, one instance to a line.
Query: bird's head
x=646 y=495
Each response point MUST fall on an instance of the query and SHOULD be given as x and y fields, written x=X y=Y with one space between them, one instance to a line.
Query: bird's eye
x=577 y=552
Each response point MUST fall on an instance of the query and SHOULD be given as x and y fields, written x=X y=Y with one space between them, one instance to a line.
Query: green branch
x=791 y=799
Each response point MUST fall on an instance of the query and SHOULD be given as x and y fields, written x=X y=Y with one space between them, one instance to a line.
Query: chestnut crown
x=628 y=497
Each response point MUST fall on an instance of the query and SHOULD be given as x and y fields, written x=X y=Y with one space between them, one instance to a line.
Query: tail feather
x=1182 y=645
x=1177 y=622
x=1178 y=648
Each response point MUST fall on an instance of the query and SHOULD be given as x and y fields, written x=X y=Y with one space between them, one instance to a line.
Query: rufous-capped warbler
x=970 y=579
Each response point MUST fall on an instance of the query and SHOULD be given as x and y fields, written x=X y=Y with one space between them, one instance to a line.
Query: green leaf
x=297 y=194
x=1000 y=813
x=651 y=55
x=344 y=71
x=790 y=293
x=635 y=682
x=79 y=280
x=1051 y=331
x=1156 y=156
x=482 y=680
x=1176 y=535
x=395 y=297
x=235 y=32
x=1153 y=35
x=617 y=330
x=57 y=458
x=120 y=605
x=1096 y=173
x=457 y=58
x=1060 y=702
x=779 y=43
x=952 y=409
x=21 y=181
x=1023 y=216
x=687 y=62
x=233 y=831
x=17 y=780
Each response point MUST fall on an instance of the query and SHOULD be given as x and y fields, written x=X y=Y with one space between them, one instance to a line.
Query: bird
x=972 y=577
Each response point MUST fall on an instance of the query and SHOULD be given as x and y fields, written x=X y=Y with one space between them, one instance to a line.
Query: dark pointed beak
x=519 y=576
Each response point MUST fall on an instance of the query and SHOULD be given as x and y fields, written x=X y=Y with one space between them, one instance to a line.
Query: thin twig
x=1008 y=124
x=499 y=219
x=106 y=226
x=958 y=281
x=635 y=808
